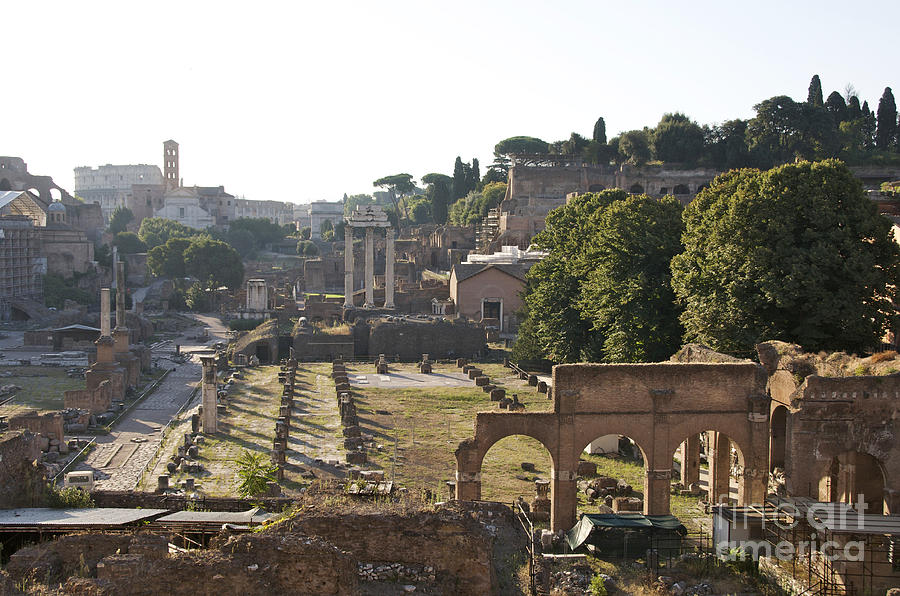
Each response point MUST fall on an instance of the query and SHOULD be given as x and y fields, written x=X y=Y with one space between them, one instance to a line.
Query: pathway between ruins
x=119 y=458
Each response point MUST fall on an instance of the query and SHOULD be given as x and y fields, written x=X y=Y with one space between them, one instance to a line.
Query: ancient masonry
x=369 y=218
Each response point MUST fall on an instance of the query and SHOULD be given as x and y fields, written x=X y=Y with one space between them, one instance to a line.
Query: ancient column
x=389 y=268
x=690 y=461
x=120 y=333
x=208 y=391
x=348 y=266
x=370 y=267
x=657 y=488
x=104 y=312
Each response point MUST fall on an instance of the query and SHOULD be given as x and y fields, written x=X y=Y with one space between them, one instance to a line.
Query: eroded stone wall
x=21 y=481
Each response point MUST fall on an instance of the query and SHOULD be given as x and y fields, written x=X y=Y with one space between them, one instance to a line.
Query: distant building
x=183 y=205
x=21 y=264
x=322 y=211
x=110 y=185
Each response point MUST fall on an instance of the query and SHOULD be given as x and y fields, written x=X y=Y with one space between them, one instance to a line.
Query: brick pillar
x=657 y=488
x=120 y=333
x=348 y=266
x=370 y=267
x=389 y=268
x=690 y=460
x=208 y=391
x=719 y=457
x=563 y=499
x=468 y=486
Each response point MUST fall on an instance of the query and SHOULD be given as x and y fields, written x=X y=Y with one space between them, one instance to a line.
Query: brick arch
x=657 y=405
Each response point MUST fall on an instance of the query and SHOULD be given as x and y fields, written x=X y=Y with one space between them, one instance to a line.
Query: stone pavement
x=120 y=458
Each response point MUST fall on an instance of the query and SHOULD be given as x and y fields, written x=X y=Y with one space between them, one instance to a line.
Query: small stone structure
x=381 y=366
x=425 y=365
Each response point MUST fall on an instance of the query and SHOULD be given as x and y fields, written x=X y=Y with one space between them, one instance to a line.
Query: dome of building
x=56 y=207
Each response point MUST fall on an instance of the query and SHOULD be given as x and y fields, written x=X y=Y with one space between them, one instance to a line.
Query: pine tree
x=868 y=127
x=886 y=131
x=853 y=109
x=476 y=175
x=837 y=107
x=814 y=97
x=600 y=131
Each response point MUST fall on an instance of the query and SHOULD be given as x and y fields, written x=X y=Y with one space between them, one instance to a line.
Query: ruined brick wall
x=440 y=339
x=21 y=482
x=249 y=564
x=56 y=560
x=132 y=499
x=49 y=424
x=96 y=401
x=456 y=546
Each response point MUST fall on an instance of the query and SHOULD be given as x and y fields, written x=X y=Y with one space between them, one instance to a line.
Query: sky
x=300 y=101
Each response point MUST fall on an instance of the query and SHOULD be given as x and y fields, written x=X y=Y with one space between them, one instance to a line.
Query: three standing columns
x=370 y=267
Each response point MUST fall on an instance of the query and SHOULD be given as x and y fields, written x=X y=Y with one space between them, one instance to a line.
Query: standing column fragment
x=348 y=266
x=370 y=267
x=389 y=268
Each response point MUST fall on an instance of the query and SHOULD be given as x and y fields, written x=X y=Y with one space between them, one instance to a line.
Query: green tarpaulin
x=638 y=522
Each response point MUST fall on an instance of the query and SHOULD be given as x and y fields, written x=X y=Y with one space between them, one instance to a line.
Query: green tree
x=325 y=227
x=119 y=220
x=305 y=233
x=814 y=96
x=438 y=192
x=677 y=139
x=264 y=232
x=837 y=107
x=197 y=298
x=599 y=135
x=521 y=145
x=726 y=145
x=460 y=185
x=243 y=241
x=156 y=231
x=307 y=248
x=397 y=185
x=603 y=292
x=57 y=290
x=214 y=263
x=634 y=146
x=886 y=131
x=255 y=472
x=627 y=294
x=354 y=201
x=128 y=243
x=796 y=253
x=167 y=260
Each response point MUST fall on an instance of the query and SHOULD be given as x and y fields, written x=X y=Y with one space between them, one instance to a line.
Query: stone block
x=356 y=458
x=587 y=468
x=474 y=373
x=497 y=394
x=482 y=380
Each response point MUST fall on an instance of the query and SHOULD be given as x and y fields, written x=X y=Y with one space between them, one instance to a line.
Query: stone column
x=690 y=461
x=120 y=333
x=370 y=267
x=104 y=313
x=468 y=486
x=719 y=458
x=208 y=390
x=389 y=268
x=348 y=266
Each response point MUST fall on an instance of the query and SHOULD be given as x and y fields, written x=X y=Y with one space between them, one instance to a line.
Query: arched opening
x=855 y=477
x=5 y=185
x=596 y=188
x=636 y=189
x=612 y=474
x=778 y=438
x=56 y=194
x=518 y=466
x=680 y=189
x=35 y=193
x=711 y=462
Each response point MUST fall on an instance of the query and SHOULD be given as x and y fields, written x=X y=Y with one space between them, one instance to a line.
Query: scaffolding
x=20 y=265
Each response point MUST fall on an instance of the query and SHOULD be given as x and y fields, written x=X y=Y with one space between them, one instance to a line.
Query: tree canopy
x=128 y=243
x=795 y=253
x=155 y=231
x=120 y=218
x=603 y=293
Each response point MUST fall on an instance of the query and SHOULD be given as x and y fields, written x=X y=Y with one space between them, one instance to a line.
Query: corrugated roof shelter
x=54 y=520
x=626 y=534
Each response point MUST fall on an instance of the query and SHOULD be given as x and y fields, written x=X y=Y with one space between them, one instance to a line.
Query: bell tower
x=170 y=164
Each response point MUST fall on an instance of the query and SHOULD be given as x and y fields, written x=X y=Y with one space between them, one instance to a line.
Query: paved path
x=120 y=458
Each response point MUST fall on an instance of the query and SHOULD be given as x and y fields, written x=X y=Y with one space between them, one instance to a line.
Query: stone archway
x=657 y=405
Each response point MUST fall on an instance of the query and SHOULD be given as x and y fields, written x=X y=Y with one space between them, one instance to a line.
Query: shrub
x=63 y=498
x=254 y=472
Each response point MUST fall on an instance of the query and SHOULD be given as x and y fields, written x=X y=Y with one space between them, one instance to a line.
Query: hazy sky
x=299 y=101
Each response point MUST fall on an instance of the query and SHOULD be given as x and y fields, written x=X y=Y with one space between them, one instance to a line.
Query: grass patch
x=42 y=388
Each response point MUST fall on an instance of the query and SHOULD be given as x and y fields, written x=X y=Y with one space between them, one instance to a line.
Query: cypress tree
x=836 y=107
x=814 y=97
x=476 y=174
x=886 y=131
x=600 y=131
x=868 y=119
x=853 y=109
x=459 y=179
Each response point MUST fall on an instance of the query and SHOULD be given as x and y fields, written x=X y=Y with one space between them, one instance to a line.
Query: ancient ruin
x=369 y=218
